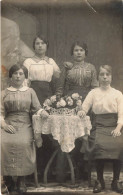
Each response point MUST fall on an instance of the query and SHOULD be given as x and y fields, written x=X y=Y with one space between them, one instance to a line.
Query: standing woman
x=106 y=136
x=19 y=103
x=41 y=69
x=78 y=76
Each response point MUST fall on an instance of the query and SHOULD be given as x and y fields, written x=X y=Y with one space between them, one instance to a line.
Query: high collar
x=24 y=88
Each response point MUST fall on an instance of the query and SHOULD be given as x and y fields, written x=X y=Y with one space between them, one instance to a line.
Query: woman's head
x=40 y=45
x=79 y=51
x=18 y=73
x=105 y=75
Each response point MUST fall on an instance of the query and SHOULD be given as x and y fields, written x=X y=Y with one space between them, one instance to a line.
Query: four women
x=20 y=103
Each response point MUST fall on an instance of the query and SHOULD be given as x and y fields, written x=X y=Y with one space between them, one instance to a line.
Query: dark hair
x=17 y=67
x=42 y=38
x=106 y=67
x=77 y=43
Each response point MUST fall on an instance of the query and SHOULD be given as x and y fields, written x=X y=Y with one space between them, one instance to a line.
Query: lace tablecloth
x=64 y=129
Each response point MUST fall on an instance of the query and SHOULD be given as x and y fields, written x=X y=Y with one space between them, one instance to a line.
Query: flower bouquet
x=67 y=105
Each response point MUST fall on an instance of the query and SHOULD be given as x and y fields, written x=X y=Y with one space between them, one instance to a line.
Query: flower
x=75 y=96
x=61 y=103
x=79 y=103
x=47 y=102
x=72 y=102
x=53 y=99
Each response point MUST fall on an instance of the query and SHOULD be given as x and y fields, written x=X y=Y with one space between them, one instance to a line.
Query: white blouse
x=42 y=70
x=103 y=101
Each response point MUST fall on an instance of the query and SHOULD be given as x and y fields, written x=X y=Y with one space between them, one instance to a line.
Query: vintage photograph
x=61 y=97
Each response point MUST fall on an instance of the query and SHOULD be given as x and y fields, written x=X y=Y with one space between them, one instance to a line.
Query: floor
x=81 y=188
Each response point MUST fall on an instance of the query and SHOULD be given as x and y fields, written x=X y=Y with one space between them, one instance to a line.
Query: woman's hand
x=116 y=132
x=44 y=114
x=9 y=128
x=81 y=113
x=38 y=140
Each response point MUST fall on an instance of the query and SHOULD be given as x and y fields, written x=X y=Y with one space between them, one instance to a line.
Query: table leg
x=48 y=165
x=71 y=168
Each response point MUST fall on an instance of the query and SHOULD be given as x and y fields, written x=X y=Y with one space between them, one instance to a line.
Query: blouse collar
x=24 y=88
x=44 y=58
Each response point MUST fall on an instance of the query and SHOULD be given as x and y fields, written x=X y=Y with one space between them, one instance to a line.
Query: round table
x=65 y=129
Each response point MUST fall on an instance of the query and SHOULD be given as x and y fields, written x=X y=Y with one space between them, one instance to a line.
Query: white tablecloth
x=64 y=129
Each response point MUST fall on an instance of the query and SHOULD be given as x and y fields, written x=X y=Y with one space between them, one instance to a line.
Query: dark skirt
x=42 y=89
x=101 y=144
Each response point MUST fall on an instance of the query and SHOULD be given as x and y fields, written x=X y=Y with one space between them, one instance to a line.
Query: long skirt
x=101 y=144
x=18 y=150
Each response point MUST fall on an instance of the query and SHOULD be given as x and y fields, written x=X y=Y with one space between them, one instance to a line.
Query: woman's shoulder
x=28 y=59
x=50 y=60
x=91 y=66
x=96 y=90
x=116 y=91
x=27 y=62
x=31 y=90
x=68 y=65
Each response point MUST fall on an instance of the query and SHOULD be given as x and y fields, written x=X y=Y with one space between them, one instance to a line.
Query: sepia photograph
x=61 y=97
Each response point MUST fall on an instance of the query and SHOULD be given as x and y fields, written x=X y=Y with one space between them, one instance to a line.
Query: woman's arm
x=56 y=69
x=117 y=131
x=88 y=102
x=36 y=107
x=62 y=80
x=4 y=125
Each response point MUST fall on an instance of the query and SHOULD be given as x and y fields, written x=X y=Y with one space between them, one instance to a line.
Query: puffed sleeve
x=35 y=104
x=120 y=108
x=88 y=102
x=56 y=69
x=94 y=82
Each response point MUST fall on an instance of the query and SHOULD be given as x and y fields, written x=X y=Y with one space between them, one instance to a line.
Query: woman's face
x=18 y=78
x=104 y=77
x=78 y=53
x=40 y=47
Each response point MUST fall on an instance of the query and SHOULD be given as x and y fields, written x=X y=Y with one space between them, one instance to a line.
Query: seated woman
x=17 y=148
x=106 y=137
